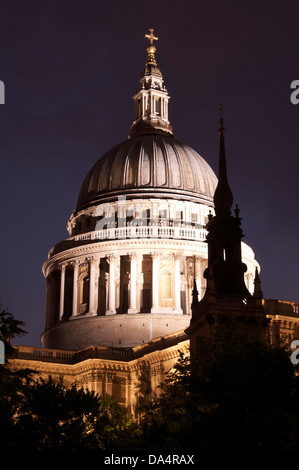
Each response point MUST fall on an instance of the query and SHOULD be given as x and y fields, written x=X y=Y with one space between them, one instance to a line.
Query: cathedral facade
x=120 y=287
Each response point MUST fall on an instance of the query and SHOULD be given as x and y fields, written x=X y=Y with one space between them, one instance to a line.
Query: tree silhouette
x=240 y=394
x=42 y=414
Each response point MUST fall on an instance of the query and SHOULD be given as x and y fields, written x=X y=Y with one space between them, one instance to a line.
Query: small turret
x=151 y=101
x=258 y=293
x=194 y=295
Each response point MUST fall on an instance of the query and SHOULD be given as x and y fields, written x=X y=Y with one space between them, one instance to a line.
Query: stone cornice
x=102 y=353
x=122 y=247
x=71 y=364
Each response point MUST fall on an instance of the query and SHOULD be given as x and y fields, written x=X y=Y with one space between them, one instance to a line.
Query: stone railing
x=97 y=352
x=41 y=354
x=122 y=233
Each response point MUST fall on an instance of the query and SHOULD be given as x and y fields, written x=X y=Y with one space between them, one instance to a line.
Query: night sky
x=70 y=70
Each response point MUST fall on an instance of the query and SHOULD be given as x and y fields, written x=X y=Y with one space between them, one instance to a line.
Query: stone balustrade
x=168 y=232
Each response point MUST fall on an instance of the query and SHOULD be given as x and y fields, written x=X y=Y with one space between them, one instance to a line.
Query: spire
x=194 y=294
x=257 y=285
x=225 y=272
x=151 y=101
x=223 y=197
x=227 y=299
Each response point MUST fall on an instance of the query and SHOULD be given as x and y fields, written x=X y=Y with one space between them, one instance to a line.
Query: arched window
x=83 y=289
x=165 y=288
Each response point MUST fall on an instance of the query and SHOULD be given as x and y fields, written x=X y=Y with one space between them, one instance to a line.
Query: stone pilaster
x=111 y=289
x=155 y=282
x=62 y=288
x=75 y=289
x=177 y=284
x=133 y=283
x=93 y=274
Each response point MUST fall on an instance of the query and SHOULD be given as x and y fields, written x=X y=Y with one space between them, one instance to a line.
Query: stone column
x=177 y=284
x=75 y=289
x=155 y=283
x=92 y=285
x=62 y=287
x=111 y=290
x=133 y=281
x=97 y=283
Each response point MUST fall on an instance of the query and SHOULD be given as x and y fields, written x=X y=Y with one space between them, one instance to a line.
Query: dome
x=151 y=165
x=137 y=238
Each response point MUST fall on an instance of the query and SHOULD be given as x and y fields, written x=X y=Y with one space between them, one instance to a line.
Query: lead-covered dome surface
x=154 y=165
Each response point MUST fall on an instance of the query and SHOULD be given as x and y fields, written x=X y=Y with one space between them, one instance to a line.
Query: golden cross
x=151 y=36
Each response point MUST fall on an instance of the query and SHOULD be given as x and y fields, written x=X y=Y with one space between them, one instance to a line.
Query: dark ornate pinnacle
x=223 y=197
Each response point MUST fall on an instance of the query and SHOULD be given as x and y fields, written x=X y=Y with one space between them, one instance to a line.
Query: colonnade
x=93 y=268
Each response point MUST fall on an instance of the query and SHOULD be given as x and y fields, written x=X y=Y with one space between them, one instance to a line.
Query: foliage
x=49 y=416
x=165 y=424
x=113 y=427
x=39 y=414
x=54 y=417
x=10 y=328
x=10 y=381
x=240 y=395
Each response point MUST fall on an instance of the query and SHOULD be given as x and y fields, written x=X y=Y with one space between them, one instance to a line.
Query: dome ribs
x=151 y=163
x=175 y=166
x=144 y=167
x=160 y=167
